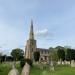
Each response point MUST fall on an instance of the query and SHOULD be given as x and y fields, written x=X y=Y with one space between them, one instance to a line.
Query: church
x=31 y=47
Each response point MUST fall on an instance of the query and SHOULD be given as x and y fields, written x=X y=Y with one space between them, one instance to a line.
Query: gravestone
x=67 y=62
x=51 y=66
x=72 y=63
x=26 y=69
x=59 y=62
x=13 y=71
x=63 y=63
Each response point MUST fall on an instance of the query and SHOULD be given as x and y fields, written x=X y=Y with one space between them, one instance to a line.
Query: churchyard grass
x=6 y=67
x=59 y=70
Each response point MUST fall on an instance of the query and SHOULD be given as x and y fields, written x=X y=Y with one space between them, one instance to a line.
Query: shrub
x=29 y=61
x=36 y=55
x=23 y=61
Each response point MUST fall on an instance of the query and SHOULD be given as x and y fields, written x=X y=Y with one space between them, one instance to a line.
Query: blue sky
x=54 y=23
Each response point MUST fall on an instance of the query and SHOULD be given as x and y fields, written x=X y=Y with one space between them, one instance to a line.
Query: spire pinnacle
x=31 y=35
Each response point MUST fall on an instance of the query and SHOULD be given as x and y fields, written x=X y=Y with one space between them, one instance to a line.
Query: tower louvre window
x=32 y=49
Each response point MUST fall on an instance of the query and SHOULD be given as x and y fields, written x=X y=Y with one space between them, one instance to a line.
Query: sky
x=54 y=23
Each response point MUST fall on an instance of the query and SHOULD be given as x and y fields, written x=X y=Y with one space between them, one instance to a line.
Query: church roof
x=42 y=49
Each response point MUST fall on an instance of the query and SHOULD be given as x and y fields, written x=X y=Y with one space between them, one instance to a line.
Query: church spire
x=31 y=34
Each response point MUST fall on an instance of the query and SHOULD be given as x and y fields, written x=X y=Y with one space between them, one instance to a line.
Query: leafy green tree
x=53 y=55
x=70 y=55
x=24 y=61
x=59 y=47
x=17 y=54
x=73 y=54
x=3 y=58
x=61 y=54
x=0 y=56
x=36 y=55
x=9 y=58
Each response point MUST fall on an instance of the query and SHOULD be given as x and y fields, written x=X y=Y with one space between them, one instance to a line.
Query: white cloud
x=43 y=33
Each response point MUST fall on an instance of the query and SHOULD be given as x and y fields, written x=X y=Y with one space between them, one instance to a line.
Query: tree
x=17 y=54
x=70 y=55
x=73 y=54
x=61 y=54
x=36 y=55
x=9 y=58
x=59 y=47
x=3 y=58
x=53 y=55
x=52 y=58
x=0 y=56
x=24 y=61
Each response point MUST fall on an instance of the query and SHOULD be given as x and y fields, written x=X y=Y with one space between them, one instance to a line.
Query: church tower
x=31 y=44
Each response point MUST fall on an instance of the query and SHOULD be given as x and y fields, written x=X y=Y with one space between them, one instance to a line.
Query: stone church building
x=31 y=47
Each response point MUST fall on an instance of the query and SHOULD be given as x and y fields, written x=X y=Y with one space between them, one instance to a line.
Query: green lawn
x=5 y=68
x=59 y=70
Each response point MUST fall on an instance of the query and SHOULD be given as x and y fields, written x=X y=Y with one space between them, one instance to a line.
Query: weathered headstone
x=51 y=66
x=63 y=63
x=67 y=62
x=72 y=63
x=59 y=62
x=13 y=71
x=26 y=69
